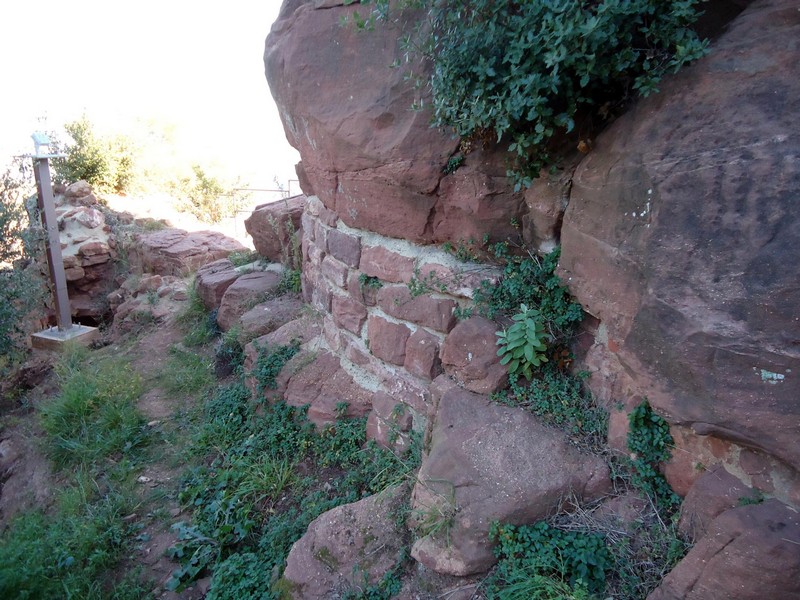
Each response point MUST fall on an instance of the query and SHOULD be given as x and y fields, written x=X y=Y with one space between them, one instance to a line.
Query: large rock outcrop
x=682 y=237
x=273 y=225
x=178 y=252
x=749 y=552
x=365 y=153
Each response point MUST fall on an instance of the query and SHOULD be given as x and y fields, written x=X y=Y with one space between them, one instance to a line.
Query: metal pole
x=55 y=262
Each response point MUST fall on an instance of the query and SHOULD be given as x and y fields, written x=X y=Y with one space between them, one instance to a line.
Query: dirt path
x=28 y=481
x=160 y=479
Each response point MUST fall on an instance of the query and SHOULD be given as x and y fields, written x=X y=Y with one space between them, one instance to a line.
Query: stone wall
x=389 y=340
x=687 y=261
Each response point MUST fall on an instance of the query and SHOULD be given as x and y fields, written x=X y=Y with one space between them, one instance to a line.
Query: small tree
x=21 y=284
x=206 y=197
x=106 y=163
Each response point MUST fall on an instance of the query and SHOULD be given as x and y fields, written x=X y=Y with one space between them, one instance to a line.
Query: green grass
x=260 y=476
x=186 y=373
x=243 y=257
x=69 y=554
x=198 y=324
x=94 y=417
x=92 y=428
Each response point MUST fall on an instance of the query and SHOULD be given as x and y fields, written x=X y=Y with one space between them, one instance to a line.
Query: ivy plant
x=522 y=344
x=650 y=443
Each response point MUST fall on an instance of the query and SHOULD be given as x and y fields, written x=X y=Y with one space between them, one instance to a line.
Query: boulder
x=369 y=158
x=268 y=226
x=714 y=492
x=469 y=355
x=490 y=463
x=749 y=552
x=79 y=193
x=301 y=330
x=322 y=384
x=213 y=280
x=179 y=252
x=347 y=547
x=682 y=237
x=268 y=316
x=243 y=294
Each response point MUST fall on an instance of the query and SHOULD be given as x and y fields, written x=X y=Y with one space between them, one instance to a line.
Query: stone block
x=335 y=270
x=422 y=355
x=348 y=313
x=377 y=261
x=345 y=247
x=387 y=340
x=436 y=313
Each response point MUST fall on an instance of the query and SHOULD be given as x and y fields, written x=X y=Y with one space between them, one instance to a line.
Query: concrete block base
x=53 y=339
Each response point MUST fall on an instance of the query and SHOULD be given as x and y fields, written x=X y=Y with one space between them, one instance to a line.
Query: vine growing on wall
x=523 y=73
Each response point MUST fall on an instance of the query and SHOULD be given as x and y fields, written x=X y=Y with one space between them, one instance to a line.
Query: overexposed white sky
x=194 y=67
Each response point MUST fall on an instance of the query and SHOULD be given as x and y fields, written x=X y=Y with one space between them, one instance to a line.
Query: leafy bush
x=21 y=285
x=523 y=71
x=522 y=344
x=269 y=363
x=532 y=281
x=244 y=257
x=229 y=353
x=573 y=561
x=107 y=163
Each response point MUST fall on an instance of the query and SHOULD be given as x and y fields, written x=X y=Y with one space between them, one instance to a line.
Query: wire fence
x=254 y=197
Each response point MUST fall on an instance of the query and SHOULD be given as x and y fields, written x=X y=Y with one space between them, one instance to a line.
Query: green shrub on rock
x=523 y=71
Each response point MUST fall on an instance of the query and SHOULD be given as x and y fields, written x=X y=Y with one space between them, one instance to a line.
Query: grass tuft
x=94 y=417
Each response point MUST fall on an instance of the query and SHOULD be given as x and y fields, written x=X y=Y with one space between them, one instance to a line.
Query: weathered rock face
x=213 y=280
x=367 y=156
x=178 y=252
x=266 y=317
x=243 y=294
x=346 y=547
x=269 y=227
x=713 y=493
x=490 y=463
x=749 y=552
x=88 y=248
x=682 y=237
